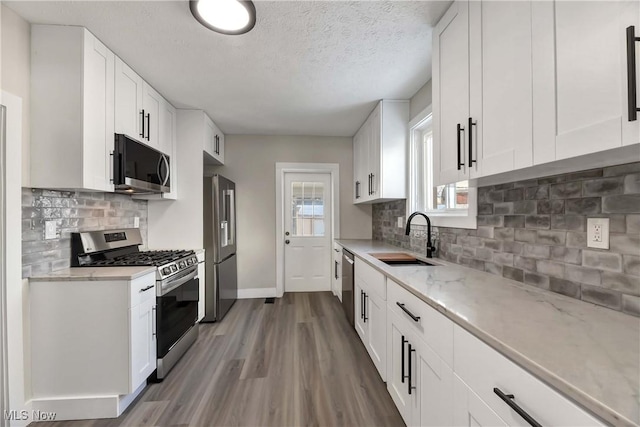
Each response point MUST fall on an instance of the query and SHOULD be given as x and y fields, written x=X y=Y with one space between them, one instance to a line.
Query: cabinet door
x=209 y=133
x=377 y=332
x=359 y=173
x=168 y=146
x=365 y=169
x=98 y=114
x=128 y=97
x=375 y=138
x=434 y=387
x=469 y=410
x=500 y=87
x=582 y=76
x=337 y=271
x=220 y=146
x=451 y=93
x=359 y=311
x=152 y=105
x=397 y=357
x=143 y=341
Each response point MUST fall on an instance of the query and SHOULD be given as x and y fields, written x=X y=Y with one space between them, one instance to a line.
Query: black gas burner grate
x=153 y=258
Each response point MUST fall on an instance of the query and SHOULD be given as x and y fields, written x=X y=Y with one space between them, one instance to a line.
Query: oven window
x=177 y=311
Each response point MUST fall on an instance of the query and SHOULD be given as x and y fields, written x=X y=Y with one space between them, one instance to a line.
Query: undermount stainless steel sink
x=400 y=259
x=394 y=262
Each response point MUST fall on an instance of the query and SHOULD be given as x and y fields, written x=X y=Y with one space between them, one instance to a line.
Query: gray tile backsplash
x=73 y=211
x=534 y=232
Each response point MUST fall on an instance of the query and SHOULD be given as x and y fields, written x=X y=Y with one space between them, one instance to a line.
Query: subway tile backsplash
x=534 y=232
x=73 y=211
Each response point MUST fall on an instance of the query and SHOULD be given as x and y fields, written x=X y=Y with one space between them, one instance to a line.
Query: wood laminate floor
x=293 y=363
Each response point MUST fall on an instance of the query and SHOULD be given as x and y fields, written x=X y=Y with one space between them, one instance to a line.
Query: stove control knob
x=189 y=261
x=181 y=264
x=166 y=271
x=174 y=268
x=194 y=260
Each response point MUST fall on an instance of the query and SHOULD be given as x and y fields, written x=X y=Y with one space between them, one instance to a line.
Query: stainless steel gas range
x=176 y=285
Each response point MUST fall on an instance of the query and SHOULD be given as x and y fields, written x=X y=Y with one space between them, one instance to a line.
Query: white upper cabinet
x=139 y=108
x=152 y=104
x=500 y=88
x=213 y=142
x=451 y=94
x=522 y=83
x=380 y=148
x=580 y=76
x=129 y=114
x=72 y=112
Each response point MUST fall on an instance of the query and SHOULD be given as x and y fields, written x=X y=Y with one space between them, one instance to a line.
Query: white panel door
x=128 y=101
x=143 y=342
x=376 y=310
x=151 y=104
x=501 y=78
x=98 y=114
x=451 y=93
x=375 y=139
x=360 y=323
x=307 y=218
x=587 y=68
x=435 y=388
x=397 y=353
x=469 y=410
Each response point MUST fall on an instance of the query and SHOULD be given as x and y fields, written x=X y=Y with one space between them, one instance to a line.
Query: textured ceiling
x=307 y=68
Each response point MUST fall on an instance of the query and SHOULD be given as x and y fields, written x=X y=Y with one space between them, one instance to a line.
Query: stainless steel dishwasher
x=347 y=284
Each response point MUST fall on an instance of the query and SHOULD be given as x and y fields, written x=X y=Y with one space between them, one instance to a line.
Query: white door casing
x=307 y=251
x=308 y=267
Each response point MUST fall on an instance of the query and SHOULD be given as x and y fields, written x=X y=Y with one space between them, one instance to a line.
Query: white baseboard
x=256 y=293
x=82 y=407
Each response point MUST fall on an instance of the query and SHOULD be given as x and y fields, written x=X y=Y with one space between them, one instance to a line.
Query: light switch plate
x=400 y=222
x=598 y=233
x=50 y=230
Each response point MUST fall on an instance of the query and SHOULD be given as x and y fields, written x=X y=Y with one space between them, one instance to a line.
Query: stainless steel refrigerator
x=221 y=278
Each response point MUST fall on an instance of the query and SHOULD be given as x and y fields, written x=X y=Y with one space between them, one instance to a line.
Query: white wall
x=177 y=224
x=250 y=162
x=15 y=64
x=420 y=100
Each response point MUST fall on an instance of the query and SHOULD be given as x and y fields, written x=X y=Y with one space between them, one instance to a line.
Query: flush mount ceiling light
x=225 y=16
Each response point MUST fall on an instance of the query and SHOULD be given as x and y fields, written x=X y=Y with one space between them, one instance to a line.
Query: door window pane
x=307 y=209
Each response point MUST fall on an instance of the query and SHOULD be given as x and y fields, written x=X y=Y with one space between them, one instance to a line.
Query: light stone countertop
x=589 y=353
x=94 y=274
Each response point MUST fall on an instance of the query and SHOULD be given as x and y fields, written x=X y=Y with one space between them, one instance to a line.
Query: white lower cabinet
x=487 y=372
x=471 y=411
x=336 y=281
x=419 y=382
x=93 y=344
x=371 y=313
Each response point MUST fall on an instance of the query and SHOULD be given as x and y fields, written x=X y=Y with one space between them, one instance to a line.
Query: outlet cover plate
x=598 y=233
x=400 y=222
x=50 y=230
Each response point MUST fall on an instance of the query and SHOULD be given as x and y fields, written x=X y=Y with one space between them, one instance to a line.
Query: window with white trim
x=451 y=200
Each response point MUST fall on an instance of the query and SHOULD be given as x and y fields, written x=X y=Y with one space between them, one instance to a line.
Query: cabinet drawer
x=142 y=289
x=432 y=326
x=483 y=369
x=374 y=281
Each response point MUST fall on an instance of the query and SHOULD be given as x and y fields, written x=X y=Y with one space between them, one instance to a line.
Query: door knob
x=287 y=241
x=286 y=233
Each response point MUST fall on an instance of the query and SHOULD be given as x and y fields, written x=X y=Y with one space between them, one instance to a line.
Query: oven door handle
x=173 y=283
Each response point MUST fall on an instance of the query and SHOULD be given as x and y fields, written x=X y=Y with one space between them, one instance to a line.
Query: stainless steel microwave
x=138 y=168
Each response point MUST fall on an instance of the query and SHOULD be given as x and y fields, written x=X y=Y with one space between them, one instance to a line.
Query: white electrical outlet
x=598 y=233
x=400 y=222
x=50 y=230
x=136 y=222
